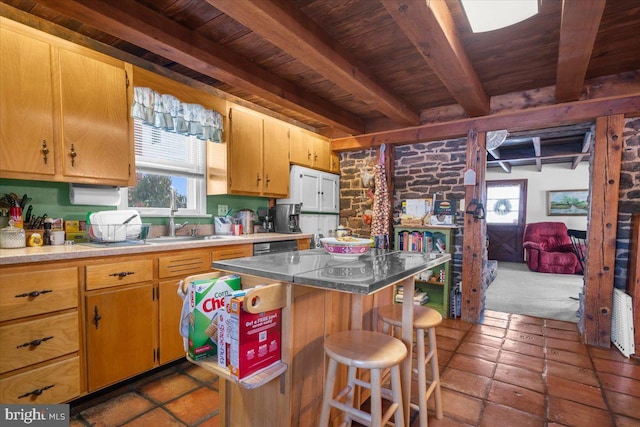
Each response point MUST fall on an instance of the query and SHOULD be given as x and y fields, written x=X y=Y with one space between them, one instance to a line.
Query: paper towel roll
x=82 y=194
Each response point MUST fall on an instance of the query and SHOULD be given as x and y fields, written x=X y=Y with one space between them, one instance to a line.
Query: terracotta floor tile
x=498 y=323
x=479 y=350
x=117 y=410
x=571 y=372
x=526 y=327
x=576 y=392
x=201 y=374
x=573 y=346
x=614 y=367
x=489 y=330
x=472 y=364
x=444 y=356
x=484 y=339
x=525 y=337
x=620 y=384
x=157 y=417
x=570 y=413
x=517 y=397
x=560 y=324
x=497 y=314
x=523 y=348
x=520 y=377
x=623 y=404
x=211 y=422
x=447 y=343
x=564 y=335
x=459 y=407
x=195 y=406
x=622 y=421
x=73 y=422
x=569 y=357
x=465 y=382
x=456 y=334
x=456 y=324
x=521 y=360
x=169 y=388
x=498 y=415
x=434 y=422
x=610 y=354
x=527 y=319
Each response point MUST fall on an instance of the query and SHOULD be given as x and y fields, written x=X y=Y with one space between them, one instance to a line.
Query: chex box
x=206 y=301
x=255 y=339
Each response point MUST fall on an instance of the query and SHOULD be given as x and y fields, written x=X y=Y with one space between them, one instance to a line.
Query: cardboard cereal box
x=206 y=300
x=255 y=339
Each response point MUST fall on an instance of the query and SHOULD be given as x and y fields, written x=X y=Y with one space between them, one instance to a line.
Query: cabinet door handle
x=33 y=294
x=315 y=156
x=96 y=316
x=73 y=155
x=36 y=392
x=268 y=180
x=258 y=179
x=45 y=150
x=34 y=343
x=122 y=274
x=308 y=155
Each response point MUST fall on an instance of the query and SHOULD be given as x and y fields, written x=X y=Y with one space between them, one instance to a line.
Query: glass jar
x=12 y=237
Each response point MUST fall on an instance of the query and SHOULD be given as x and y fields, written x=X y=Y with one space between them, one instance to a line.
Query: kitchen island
x=324 y=295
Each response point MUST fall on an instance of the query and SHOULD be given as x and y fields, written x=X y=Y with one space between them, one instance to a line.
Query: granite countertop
x=90 y=250
x=365 y=274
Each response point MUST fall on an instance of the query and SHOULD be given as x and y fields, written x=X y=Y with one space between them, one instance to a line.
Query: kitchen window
x=163 y=160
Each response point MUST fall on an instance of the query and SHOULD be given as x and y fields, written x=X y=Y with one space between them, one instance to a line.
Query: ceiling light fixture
x=489 y=15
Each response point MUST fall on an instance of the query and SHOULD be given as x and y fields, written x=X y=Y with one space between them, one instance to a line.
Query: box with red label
x=255 y=339
x=206 y=300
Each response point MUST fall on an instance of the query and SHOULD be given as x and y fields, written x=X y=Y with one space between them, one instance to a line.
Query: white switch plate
x=222 y=210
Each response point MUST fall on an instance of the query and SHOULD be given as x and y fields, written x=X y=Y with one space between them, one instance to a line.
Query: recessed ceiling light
x=488 y=15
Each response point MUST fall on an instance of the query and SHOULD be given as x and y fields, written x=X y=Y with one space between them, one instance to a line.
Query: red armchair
x=548 y=248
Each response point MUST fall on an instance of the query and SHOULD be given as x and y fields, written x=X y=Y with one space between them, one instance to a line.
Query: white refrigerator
x=318 y=193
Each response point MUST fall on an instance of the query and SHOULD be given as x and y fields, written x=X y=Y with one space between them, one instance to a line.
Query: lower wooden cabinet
x=52 y=383
x=121 y=338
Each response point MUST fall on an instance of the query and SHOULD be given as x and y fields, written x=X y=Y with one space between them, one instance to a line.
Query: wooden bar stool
x=359 y=349
x=425 y=319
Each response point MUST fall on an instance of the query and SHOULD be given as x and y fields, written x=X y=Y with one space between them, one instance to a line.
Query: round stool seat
x=423 y=317
x=365 y=349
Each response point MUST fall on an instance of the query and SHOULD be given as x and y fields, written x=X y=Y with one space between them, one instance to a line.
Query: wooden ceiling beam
x=529 y=158
x=293 y=32
x=536 y=150
x=141 y=26
x=578 y=30
x=528 y=119
x=430 y=27
x=586 y=144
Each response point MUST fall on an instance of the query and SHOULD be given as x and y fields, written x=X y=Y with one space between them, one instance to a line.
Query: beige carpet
x=518 y=290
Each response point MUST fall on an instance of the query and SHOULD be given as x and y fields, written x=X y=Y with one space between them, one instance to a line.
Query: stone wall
x=629 y=195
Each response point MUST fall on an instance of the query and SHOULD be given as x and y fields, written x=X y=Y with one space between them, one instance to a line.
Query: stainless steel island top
x=364 y=274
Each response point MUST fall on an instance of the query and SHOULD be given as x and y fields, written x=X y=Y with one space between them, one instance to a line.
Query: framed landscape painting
x=567 y=202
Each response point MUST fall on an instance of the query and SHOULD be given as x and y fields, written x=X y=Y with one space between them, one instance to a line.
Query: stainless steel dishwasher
x=271 y=247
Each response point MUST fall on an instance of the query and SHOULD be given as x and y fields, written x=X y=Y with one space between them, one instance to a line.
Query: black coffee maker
x=266 y=217
x=288 y=218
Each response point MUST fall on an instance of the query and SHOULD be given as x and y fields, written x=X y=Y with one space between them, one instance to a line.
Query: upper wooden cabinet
x=64 y=111
x=258 y=154
x=311 y=150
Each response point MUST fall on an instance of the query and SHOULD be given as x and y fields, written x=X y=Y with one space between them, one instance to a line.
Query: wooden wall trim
x=602 y=230
x=474 y=238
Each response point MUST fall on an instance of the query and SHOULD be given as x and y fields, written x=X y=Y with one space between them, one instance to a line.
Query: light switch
x=222 y=210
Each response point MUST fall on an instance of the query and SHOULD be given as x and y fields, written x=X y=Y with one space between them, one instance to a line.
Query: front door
x=506 y=218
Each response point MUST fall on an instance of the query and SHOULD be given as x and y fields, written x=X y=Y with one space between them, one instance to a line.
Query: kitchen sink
x=170 y=239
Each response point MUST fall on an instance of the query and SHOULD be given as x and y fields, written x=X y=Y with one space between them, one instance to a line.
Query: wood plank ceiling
x=353 y=67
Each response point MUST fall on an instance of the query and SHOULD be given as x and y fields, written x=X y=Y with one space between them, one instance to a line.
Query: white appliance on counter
x=318 y=193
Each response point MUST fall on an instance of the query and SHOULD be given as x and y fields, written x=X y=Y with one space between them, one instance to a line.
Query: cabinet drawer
x=28 y=293
x=184 y=264
x=61 y=381
x=59 y=335
x=235 y=251
x=118 y=273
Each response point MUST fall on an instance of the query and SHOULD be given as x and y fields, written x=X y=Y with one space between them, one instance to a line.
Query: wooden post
x=601 y=236
x=474 y=239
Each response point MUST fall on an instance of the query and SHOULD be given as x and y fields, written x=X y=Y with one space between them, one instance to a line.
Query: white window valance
x=169 y=113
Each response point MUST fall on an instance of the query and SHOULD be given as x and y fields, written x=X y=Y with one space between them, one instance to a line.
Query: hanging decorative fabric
x=381 y=205
x=169 y=113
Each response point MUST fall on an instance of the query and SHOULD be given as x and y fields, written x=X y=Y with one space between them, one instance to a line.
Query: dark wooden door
x=506 y=217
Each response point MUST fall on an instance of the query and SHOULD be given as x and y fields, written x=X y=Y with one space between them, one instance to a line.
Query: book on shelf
x=420 y=297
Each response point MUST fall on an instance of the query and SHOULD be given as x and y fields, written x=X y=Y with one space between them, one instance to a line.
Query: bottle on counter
x=15 y=215
x=47 y=231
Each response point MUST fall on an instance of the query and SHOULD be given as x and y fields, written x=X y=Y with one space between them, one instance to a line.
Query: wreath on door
x=502 y=207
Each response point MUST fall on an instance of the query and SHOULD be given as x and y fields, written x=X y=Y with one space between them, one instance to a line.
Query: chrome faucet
x=173 y=208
